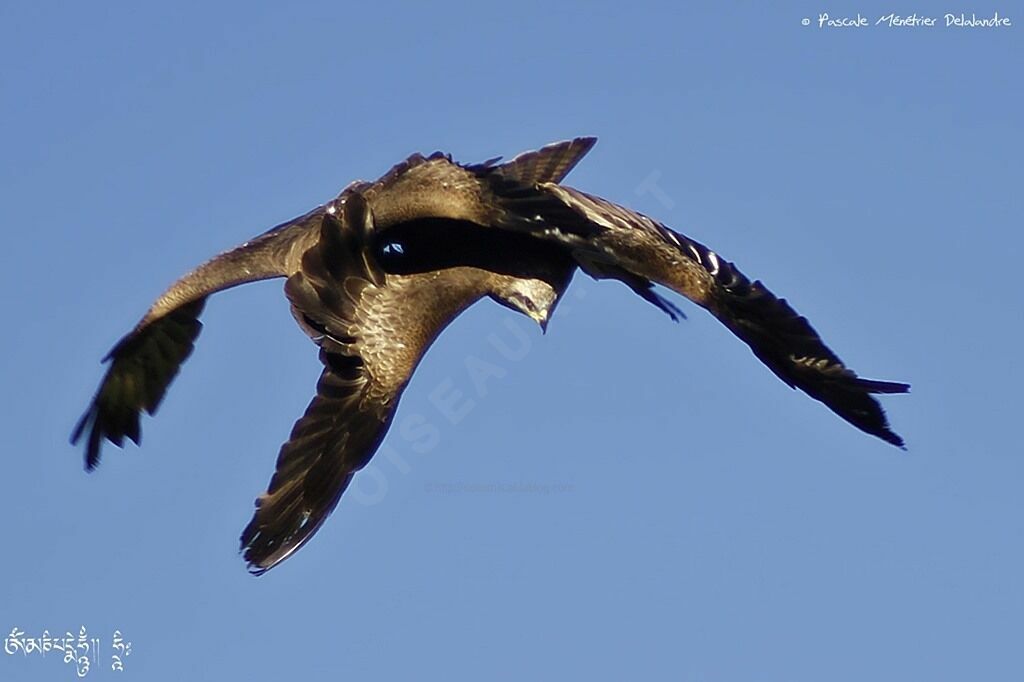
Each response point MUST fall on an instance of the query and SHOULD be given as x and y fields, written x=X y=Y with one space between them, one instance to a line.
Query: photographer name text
x=948 y=20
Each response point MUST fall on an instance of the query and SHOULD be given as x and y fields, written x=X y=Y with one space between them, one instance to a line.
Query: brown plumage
x=375 y=275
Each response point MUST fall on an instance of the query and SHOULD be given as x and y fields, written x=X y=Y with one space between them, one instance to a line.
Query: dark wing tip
x=76 y=433
x=290 y=519
x=873 y=386
x=872 y=418
x=260 y=551
x=142 y=365
x=92 y=448
x=850 y=397
x=893 y=438
x=890 y=436
x=790 y=347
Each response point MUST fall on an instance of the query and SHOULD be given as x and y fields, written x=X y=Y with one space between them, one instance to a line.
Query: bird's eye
x=526 y=303
x=393 y=248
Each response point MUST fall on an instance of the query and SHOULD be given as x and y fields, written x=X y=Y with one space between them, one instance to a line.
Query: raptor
x=376 y=274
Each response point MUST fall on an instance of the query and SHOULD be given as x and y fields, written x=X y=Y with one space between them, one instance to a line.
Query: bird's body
x=376 y=274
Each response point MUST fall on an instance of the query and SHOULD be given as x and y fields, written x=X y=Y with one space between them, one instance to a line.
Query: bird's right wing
x=145 y=361
x=372 y=329
x=613 y=241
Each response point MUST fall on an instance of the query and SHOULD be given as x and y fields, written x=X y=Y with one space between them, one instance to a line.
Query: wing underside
x=372 y=329
x=145 y=361
x=624 y=240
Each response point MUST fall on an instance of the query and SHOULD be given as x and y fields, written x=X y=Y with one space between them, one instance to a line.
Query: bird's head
x=534 y=298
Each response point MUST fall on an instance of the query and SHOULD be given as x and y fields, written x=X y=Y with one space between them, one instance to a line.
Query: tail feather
x=550 y=163
x=547 y=164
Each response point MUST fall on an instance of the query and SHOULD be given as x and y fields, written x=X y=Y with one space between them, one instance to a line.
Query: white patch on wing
x=713 y=257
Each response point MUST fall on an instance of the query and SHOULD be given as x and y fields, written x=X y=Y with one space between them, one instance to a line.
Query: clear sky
x=627 y=498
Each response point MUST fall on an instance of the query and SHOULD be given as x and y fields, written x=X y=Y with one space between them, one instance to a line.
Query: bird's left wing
x=610 y=240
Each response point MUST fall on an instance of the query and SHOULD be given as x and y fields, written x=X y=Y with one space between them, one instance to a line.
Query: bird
x=373 y=277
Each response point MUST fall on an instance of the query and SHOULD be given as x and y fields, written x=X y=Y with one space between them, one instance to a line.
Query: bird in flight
x=376 y=274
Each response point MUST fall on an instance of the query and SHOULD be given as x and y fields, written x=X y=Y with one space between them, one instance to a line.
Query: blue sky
x=630 y=498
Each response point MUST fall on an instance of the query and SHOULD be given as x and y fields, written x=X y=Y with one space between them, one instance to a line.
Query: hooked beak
x=540 y=317
x=542 y=320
